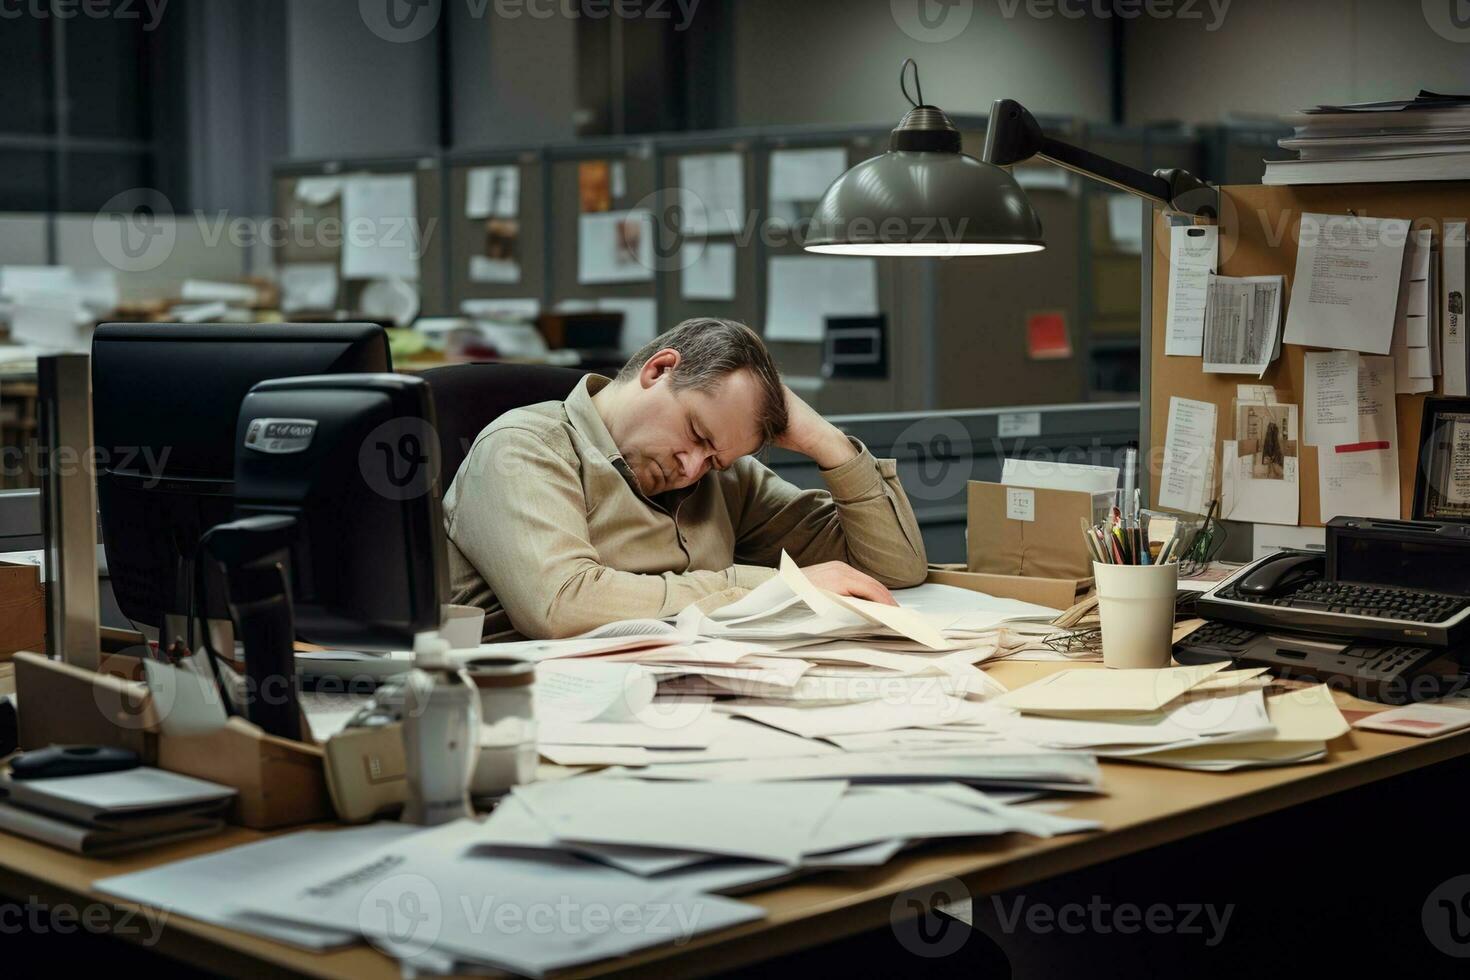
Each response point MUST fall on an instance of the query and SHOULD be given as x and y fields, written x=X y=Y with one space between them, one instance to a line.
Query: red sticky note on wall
x=1046 y=336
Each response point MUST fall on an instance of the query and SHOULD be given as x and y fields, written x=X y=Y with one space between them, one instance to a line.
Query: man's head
x=693 y=399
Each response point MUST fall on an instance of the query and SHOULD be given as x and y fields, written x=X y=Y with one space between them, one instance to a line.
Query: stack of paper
x=1203 y=717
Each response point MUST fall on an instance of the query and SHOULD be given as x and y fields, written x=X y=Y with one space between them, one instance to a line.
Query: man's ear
x=657 y=366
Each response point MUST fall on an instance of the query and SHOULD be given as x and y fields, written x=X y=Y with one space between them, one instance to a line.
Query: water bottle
x=441 y=727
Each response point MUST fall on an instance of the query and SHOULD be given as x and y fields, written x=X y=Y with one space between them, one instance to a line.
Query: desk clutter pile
x=791 y=732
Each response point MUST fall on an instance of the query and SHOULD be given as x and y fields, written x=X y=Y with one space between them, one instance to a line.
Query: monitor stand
x=256 y=555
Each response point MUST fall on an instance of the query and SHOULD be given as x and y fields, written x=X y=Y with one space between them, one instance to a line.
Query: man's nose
x=693 y=464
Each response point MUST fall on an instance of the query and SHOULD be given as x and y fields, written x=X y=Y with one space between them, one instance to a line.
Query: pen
x=1130 y=480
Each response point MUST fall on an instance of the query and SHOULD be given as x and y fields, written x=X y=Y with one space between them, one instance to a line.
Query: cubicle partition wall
x=513 y=238
x=310 y=195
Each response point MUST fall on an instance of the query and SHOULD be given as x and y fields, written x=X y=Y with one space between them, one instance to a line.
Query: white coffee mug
x=1136 y=605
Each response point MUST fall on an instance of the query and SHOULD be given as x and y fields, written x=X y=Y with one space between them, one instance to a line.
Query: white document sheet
x=1126 y=216
x=1345 y=290
x=1187 y=482
x=615 y=246
x=1243 y=497
x=1193 y=251
x=1331 y=411
x=1089 y=692
x=426 y=894
x=1242 y=323
x=802 y=291
x=717 y=182
x=937 y=708
x=709 y=274
x=799 y=178
x=1051 y=475
x=579 y=690
x=308 y=286
x=764 y=821
x=1413 y=354
x=493 y=192
x=192 y=886
x=319 y=191
x=485 y=269
x=640 y=319
x=1452 y=309
x=380 y=236
x=1361 y=478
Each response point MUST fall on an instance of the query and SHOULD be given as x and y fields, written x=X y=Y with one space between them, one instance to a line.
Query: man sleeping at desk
x=639 y=495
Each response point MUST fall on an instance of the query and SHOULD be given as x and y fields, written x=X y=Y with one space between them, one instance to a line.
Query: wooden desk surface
x=1145 y=806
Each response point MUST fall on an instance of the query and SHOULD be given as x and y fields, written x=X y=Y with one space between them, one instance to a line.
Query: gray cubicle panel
x=801 y=362
x=308 y=239
x=984 y=303
x=466 y=236
x=640 y=165
x=1236 y=153
x=747 y=306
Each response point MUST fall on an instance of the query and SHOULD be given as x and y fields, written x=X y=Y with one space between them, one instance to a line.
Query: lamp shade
x=923 y=202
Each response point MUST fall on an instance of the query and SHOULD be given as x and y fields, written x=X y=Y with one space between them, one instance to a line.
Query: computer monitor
x=338 y=535
x=166 y=398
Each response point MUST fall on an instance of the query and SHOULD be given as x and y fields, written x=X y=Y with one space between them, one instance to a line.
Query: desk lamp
x=925 y=197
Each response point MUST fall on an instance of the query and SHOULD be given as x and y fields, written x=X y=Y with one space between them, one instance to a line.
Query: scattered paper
x=1090 y=691
x=803 y=291
x=1242 y=323
x=308 y=286
x=1193 y=251
x=1346 y=285
x=582 y=691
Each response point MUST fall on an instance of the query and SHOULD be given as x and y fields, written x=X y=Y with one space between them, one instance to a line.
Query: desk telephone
x=1385 y=611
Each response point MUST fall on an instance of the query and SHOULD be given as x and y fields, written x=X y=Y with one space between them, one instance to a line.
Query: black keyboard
x=1394 y=673
x=1365 y=600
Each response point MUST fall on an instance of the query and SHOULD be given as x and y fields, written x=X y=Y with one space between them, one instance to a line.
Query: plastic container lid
x=431 y=651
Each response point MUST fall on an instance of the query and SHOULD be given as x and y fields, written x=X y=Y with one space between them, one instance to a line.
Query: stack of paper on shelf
x=1424 y=138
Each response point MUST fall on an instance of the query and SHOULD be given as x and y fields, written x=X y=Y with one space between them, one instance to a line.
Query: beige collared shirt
x=549 y=533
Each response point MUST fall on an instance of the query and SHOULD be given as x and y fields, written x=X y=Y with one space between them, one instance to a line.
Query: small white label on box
x=1018 y=425
x=1020 y=504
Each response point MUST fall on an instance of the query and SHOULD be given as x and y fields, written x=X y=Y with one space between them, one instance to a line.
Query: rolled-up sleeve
x=862 y=518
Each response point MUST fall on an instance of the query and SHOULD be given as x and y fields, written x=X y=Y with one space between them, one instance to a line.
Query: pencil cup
x=1136 y=605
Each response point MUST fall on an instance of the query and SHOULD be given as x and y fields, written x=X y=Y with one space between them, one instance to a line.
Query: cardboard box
x=22 y=609
x=1056 y=593
x=281 y=783
x=1031 y=532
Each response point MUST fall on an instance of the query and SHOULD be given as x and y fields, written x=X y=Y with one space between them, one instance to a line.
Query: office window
x=86 y=108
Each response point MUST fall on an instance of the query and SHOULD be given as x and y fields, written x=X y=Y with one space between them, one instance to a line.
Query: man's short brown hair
x=710 y=349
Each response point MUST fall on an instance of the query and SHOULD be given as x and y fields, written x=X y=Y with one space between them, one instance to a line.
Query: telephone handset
x=1283 y=574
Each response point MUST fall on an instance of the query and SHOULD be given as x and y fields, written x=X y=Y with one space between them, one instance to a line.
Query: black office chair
x=468 y=397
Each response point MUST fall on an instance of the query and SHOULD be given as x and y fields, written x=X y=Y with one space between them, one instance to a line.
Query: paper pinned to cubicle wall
x=380 y=227
x=1331 y=397
x=1242 y=323
x=493 y=192
x=1452 y=310
x=1187 y=482
x=1361 y=478
x=1193 y=252
x=318 y=191
x=717 y=183
x=1346 y=286
x=710 y=274
x=615 y=246
x=799 y=178
x=802 y=291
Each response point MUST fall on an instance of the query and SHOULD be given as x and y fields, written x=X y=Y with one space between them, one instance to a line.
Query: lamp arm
x=1013 y=135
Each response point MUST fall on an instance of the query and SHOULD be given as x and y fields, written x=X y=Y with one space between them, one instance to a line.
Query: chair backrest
x=468 y=397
